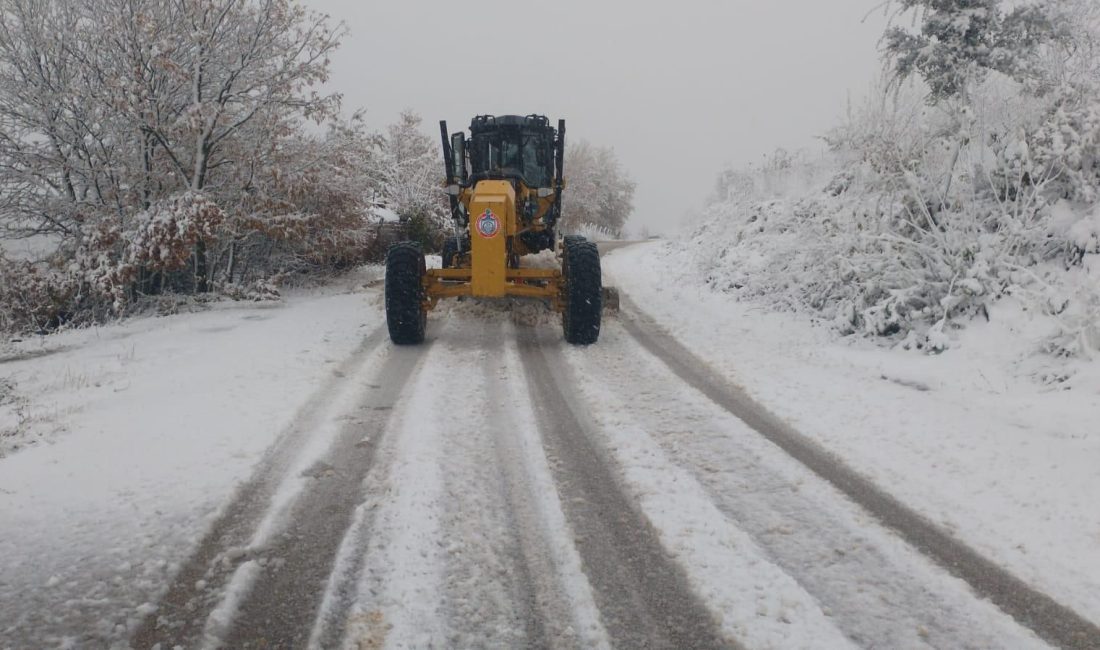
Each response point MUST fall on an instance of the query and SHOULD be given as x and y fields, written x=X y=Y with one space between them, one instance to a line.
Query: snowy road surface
x=496 y=487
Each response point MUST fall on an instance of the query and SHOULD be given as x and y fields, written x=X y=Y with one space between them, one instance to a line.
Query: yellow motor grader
x=505 y=186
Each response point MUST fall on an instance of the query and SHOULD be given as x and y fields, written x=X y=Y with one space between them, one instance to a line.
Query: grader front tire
x=583 y=293
x=405 y=314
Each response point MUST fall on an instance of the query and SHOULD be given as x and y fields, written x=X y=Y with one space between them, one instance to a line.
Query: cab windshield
x=513 y=152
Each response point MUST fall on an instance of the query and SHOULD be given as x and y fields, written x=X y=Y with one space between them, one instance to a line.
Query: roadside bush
x=928 y=217
x=33 y=297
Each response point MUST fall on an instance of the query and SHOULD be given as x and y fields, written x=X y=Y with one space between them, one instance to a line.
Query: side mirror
x=458 y=153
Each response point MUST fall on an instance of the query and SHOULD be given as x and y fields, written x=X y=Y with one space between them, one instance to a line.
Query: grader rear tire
x=570 y=240
x=405 y=314
x=583 y=293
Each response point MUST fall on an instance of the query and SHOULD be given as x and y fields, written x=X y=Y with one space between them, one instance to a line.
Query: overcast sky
x=679 y=89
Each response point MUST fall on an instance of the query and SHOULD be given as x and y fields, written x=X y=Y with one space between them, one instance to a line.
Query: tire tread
x=406 y=318
x=583 y=293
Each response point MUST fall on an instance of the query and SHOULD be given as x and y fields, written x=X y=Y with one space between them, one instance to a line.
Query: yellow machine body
x=492 y=211
x=505 y=187
x=491 y=268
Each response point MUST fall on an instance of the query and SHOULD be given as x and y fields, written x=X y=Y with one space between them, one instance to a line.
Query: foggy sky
x=677 y=88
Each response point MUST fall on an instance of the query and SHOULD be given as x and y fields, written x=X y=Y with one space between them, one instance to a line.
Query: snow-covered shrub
x=258 y=291
x=33 y=296
x=163 y=238
x=1068 y=144
x=98 y=278
x=1072 y=300
x=928 y=216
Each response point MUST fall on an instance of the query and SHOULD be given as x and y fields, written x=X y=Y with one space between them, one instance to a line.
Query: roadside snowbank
x=146 y=427
x=967 y=437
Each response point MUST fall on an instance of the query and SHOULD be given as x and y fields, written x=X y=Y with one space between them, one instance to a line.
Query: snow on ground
x=400 y=599
x=782 y=515
x=969 y=437
x=131 y=437
x=753 y=600
x=466 y=530
x=557 y=536
x=143 y=429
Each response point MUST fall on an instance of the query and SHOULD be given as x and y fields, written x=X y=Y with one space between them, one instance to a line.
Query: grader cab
x=505 y=187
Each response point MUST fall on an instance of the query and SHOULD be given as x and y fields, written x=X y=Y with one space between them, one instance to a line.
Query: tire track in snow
x=433 y=557
x=557 y=589
x=1054 y=622
x=341 y=619
x=194 y=592
x=399 y=598
x=489 y=589
x=467 y=544
x=281 y=604
x=878 y=591
x=643 y=596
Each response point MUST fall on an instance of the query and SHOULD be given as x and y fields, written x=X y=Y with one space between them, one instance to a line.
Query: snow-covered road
x=496 y=487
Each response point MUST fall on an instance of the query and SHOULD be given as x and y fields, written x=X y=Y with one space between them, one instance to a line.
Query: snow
x=558 y=535
x=856 y=571
x=447 y=514
x=399 y=603
x=321 y=429
x=385 y=214
x=755 y=602
x=146 y=427
x=132 y=437
x=989 y=440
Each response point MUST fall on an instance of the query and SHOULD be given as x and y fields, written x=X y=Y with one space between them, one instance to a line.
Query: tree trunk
x=232 y=263
x=202 y=284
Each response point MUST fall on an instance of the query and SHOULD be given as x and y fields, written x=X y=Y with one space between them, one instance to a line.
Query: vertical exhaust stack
x=449 y=163
x=561 y=149
x=559 y=170
x=448 y=155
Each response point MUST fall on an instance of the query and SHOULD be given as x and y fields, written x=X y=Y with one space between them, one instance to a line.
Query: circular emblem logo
x=487 y=224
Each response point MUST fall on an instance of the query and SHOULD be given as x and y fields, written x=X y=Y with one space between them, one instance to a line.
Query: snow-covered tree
x=1073 y=57
x=598 y=192
x=409 y=177
x=960 y=41
x=47 y=138
x=114 y=114
x=308 y=208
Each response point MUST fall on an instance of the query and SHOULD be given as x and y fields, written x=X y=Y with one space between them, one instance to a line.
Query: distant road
x=608 y=246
